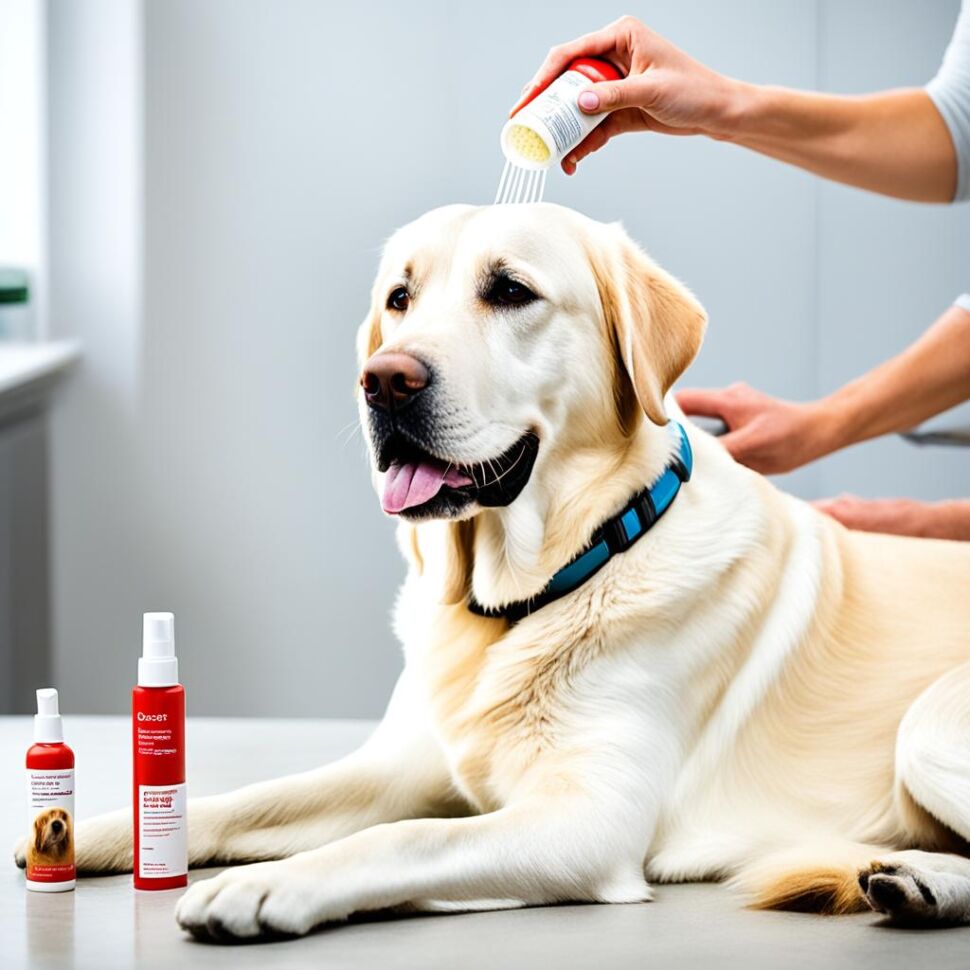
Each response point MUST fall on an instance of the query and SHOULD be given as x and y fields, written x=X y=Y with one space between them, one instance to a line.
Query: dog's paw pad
x=899 y=891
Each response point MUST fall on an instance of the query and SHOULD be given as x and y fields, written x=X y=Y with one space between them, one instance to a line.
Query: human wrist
x=743 y=112
x=827 y=427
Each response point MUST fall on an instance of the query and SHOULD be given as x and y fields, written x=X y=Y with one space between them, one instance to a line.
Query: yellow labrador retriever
x=627 y=658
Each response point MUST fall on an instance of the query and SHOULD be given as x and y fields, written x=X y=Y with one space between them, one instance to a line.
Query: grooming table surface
x=106 y=925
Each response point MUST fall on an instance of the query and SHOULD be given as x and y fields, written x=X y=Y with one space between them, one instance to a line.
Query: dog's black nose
x=391 y=380
x=56 y=826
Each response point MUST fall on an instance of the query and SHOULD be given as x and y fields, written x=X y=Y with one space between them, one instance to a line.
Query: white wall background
x=222 y=175
x=23 y=155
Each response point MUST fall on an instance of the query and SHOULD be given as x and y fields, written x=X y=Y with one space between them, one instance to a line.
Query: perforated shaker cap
x=158 y=666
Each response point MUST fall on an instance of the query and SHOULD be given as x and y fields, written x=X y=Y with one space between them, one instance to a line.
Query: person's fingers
x=748 y=447
x=893 y=516
x=593 y=142
x=843 y=498
x=705 y=401
x=629 y=92
x=850 y=510
x=557 y=60
x=737 y=446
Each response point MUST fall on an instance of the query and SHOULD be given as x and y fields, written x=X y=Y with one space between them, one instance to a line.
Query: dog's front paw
x=20 y=854
x=264 y=899
x=909 y=893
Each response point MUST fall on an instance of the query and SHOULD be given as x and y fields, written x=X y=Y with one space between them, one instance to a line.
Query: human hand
x=900 y=516
x=663 y=90
x=765 y=433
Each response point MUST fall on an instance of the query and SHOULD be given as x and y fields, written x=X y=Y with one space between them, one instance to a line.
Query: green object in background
x=14 y=286
x=16 y=311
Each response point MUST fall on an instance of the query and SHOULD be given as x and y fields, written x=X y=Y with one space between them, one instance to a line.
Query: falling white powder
x=519 y=185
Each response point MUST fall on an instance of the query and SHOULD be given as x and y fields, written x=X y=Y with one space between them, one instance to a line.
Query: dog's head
x=52 y=832
x=501 y=339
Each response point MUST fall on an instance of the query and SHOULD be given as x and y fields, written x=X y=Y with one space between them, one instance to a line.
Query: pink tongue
x=414 y=483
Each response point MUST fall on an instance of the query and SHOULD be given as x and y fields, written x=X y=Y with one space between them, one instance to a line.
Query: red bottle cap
x=595 y=68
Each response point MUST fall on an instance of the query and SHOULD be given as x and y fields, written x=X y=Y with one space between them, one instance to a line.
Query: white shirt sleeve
x=950 y=91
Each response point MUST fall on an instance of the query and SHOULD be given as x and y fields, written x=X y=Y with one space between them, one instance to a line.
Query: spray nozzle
x=159 y=635
x=47 y=702
x=158 y=666
x=48 y=726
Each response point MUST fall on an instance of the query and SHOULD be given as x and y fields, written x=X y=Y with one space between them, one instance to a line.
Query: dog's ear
x=39 y=833
x=653 y=321
x=459 y=557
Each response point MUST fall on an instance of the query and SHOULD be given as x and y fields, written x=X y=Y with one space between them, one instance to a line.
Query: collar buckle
x=615 y=536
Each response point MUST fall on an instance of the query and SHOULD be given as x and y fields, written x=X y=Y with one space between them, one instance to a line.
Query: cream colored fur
x=750 y=692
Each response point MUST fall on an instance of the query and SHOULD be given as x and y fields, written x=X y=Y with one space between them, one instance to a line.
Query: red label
x=50 y=804
x=158 y=750
x=36 y=873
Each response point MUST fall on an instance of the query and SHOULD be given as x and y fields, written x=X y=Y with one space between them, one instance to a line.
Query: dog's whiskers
x=348 y=430
x=507 y=470
x=348 y=433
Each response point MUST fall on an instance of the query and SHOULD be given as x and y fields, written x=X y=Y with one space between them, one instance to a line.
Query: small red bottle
x=158 y=752
x=50 y=799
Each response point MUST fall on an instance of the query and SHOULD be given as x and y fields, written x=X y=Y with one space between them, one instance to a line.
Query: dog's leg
x=399 y=773
x=933 y=756
x=541 y=850
x=933 y=803
x=933 y=797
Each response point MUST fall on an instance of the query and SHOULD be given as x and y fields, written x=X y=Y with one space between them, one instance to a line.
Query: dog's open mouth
x=419 y=485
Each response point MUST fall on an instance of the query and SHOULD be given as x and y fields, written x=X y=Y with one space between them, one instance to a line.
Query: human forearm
x=930 y=376
x=774 y=436
x=895 y=142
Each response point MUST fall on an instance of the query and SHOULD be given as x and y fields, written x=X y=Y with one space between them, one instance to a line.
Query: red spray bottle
x=50 y=798
x=158 y=750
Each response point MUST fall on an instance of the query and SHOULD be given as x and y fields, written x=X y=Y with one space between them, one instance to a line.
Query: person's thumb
x=612 y=95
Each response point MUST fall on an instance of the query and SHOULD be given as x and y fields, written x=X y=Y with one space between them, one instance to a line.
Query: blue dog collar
x=614 y=536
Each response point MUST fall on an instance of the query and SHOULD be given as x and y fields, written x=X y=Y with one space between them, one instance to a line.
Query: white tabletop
x=23 y=363
x=106 y=925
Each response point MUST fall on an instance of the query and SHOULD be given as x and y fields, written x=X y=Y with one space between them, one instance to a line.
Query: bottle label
x=556 y=109
x=50 y=846
x=163 y=842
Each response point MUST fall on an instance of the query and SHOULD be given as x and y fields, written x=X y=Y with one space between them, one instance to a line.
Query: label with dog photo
x=50 y=850
x=163 y=849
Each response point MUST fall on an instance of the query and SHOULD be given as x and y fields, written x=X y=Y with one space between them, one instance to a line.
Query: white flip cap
x=158 y=666
x=48 y=727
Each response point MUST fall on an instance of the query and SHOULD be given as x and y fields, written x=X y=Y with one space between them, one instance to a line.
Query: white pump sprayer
x=48 y=727
x=158 y=665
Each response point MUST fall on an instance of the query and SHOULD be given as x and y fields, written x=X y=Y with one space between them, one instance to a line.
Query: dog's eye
x=399 y=299
x=505 y=291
